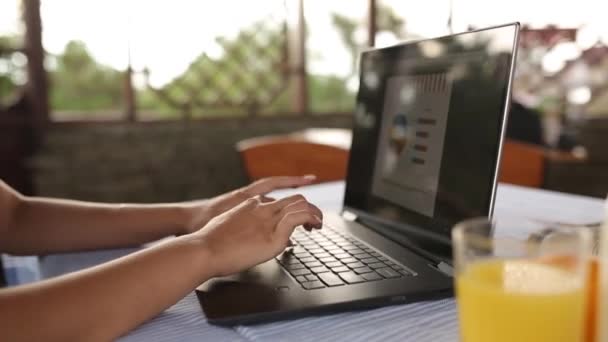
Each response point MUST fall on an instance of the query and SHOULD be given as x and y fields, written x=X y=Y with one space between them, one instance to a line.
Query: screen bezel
x=430 y=233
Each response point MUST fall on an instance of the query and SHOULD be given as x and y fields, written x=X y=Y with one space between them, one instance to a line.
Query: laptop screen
x=428 y=125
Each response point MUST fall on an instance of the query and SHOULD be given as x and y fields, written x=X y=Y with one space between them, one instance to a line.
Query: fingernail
x=310 y=177
x=318 y=218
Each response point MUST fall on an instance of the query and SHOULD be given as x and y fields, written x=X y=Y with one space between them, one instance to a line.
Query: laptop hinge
x=349 y=216
x=444 y=268
x=436 y=262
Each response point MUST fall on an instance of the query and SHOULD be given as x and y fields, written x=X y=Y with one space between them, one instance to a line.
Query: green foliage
x=346 y=29
x=329 y=94
x=386 y=20
x=248 y=77
x=9 y=42
x=8 y=86
x=80 y=83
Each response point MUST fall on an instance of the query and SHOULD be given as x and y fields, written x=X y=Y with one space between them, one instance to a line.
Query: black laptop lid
x=428 y=127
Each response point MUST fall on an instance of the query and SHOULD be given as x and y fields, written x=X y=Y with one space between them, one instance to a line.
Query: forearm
x=106 y=301
x=42 y=225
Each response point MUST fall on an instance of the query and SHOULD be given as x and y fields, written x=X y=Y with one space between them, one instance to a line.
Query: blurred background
x=146 y=100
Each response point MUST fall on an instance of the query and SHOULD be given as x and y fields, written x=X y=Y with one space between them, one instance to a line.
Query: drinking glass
x=528 y=289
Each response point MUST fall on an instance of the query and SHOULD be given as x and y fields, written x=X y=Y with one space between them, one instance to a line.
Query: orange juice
x=514 y=300
x=592 y=291
x=592 y=301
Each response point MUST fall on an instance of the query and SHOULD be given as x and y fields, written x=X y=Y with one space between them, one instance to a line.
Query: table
x=518 y=211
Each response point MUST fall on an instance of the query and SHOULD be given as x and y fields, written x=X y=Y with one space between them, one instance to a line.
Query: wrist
x=185 y=217
x=205 y=257
x=177 y=217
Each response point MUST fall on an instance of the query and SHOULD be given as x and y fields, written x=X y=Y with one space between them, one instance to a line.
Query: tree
x=329 y=94
x=9 y=71
x=250 y=77
x=78 y=82
x=386 y=20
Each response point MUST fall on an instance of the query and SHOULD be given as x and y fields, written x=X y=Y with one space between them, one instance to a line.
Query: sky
x=166 y=36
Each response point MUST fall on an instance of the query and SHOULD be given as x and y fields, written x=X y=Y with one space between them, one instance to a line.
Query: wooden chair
x=522 y=164
x=323 y=152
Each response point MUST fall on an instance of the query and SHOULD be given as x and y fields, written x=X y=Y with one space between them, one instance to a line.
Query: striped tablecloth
x=518 y=211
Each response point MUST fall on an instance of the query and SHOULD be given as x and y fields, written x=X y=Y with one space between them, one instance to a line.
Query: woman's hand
x=201 y=212
x=247 y=231
x=253 y=232
x=63 y=308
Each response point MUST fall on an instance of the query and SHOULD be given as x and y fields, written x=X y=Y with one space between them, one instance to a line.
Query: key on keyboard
x=351 y=277
x=331 y=279
x=327 y=258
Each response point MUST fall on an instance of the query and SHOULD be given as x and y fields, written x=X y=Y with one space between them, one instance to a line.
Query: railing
x=253 y=72
x=266 y=69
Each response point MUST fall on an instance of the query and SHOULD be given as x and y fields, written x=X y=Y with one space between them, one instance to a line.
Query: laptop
x=427 y=134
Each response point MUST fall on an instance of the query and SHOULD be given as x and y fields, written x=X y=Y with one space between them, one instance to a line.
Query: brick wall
x=173 y=161
x=156 y=161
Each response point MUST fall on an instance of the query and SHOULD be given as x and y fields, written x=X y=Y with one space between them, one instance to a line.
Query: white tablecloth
x=518 y=211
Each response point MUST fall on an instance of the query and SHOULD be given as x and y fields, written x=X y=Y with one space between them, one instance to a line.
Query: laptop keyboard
x=327 y=258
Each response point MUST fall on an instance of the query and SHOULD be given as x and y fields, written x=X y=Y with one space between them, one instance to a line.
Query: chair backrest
x=522 y=164
x=292 y=155
x=299 y=154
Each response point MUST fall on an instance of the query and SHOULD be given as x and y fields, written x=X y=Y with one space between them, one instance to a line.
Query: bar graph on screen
x=412 y=135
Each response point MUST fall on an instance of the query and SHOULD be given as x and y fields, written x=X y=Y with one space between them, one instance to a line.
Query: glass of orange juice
x=521 y=290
